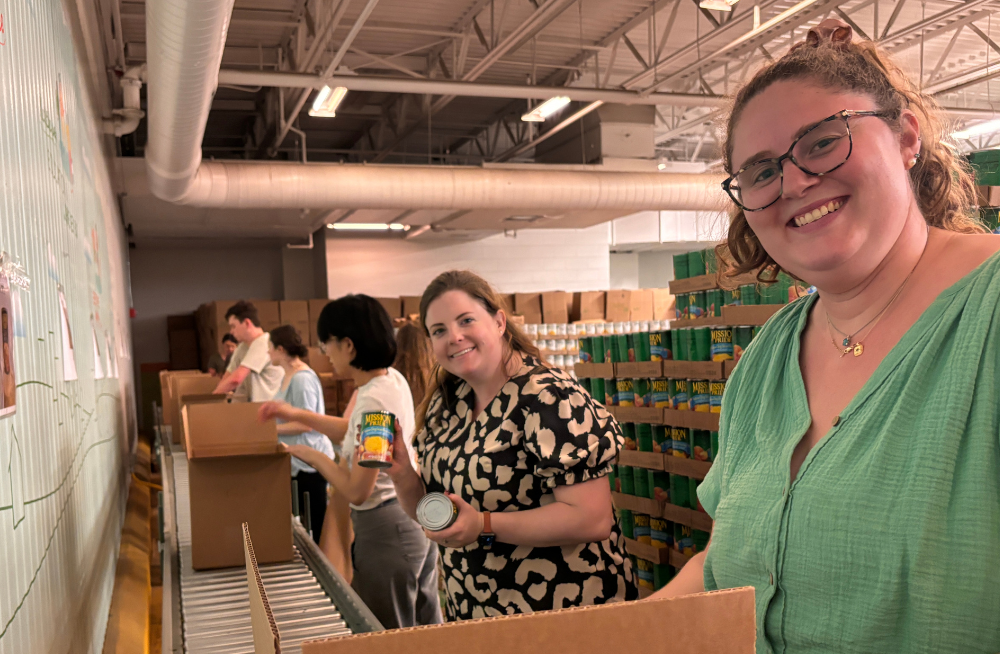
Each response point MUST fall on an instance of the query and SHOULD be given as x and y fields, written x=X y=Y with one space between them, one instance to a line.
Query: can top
x=435 y=511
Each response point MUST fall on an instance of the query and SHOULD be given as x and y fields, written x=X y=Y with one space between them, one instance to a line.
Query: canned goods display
x=656 y=346
x=662 y=441
x=659 y=390
x=680 y=491
x=732 y=297
x=681 y=309
x=627 y=480
x=686 y=346
x=627 y=522
x=721 y=348
x=641 y=521
x=640 y=480
x=658 y=533
x=675 y=344
x=696 y=305
x=696 y=263
x=715 y=391
x=693 y=485
x=681 y=443
x=681 y=266
x=436 y=512
x=378 y=429
x=645 y=573
x=700 y=395
x=701 y=445
x=701 y=344
x=715 y=444
x=663 y=572
x=613 y=479
x=742 y=336
x=714 y=299
x=626 y=392
x=590 y=329
x=668 y=344
x=699 y=540
x=640 y=344
x=628 y=432
x=679 y=394
x=644 y=437
x=642 y=395
x=620 y=352
x=683 y=539
x=583 y=346
x=610 y=393
x=749 y=295
x=597 y=389
x=711 y=262
x=659 y=485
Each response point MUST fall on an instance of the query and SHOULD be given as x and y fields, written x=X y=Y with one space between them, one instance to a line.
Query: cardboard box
x=394 y=306
x=184 y=385
x=180 y=432
x=266 y=639
x=616 y=307
x=267 y=311
x=588 y=305
x=167 y=405
x=231 y=481
x=296 y=314
x=721 y=622
x=640 y=305
x=508 y=303
x=529 y=305
x=315 y=308
x=411 y=305
x=555 y=307
x=988 y=196
x=663 y=304
x=319 y=362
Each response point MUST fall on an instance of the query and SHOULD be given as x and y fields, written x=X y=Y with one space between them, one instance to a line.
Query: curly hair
x=942 y=182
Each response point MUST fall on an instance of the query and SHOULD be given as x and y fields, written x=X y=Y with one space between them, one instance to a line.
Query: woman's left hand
x=466 y=528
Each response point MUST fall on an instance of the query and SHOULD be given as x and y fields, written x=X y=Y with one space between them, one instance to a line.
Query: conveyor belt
x=309 y=599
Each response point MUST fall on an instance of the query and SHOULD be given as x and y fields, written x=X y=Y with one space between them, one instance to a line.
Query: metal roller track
x=309 y=599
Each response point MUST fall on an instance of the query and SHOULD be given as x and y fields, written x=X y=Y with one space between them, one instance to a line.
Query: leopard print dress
x=541 y=431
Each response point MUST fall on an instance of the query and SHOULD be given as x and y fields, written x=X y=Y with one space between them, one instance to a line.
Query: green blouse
x=889 y=538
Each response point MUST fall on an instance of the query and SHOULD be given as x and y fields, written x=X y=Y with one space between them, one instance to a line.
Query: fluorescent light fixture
x=546 y=109
x=718 y=5
x=661 y=166
x=326 y=103
x=979 y=129
x=368 y=227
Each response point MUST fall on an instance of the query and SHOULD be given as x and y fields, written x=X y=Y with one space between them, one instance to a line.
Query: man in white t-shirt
x=250 y=369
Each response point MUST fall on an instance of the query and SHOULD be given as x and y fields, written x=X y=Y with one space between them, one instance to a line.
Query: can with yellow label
x=378 y=429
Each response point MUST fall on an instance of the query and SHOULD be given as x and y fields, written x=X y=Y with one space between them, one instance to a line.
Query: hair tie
x=832 y=30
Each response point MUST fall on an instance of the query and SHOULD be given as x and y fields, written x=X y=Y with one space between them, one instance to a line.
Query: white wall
x=170 y=281
x=534 y=260
x=624 y=273
x=656 y=268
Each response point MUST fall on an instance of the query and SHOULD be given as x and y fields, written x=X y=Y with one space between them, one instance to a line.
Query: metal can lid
x=435 y=511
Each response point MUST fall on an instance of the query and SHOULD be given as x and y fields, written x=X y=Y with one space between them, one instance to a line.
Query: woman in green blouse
x=857 y=487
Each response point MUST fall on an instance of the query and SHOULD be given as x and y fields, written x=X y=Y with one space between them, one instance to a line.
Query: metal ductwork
x=186 y=39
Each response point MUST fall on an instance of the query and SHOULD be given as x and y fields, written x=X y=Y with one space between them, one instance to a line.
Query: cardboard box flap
x=226 y=429
x=721 y=622
x=266 y=639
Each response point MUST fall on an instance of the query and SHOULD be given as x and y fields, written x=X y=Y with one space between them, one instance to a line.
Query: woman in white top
x=301 y=389
x=395 y=571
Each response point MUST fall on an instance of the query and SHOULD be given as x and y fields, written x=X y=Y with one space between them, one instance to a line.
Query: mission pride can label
x=378 y=428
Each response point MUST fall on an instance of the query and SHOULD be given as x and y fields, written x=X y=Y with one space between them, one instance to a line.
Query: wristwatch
x=487 y=537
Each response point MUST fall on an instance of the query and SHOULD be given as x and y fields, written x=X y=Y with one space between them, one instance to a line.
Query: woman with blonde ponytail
x=522 y=451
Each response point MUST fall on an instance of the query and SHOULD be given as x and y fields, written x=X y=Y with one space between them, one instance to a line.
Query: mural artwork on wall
x=68 y=355
x=8 y=384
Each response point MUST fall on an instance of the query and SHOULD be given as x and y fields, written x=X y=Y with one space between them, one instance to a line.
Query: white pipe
x=184 y=41
x=247 y=185
x=126 y=120
x=471 y=89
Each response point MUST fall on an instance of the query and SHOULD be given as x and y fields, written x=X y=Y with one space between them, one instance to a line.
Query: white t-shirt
x=264 y=380
x=391 y=393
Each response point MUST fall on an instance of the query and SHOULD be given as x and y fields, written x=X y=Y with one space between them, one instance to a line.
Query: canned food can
x=610 y=393
x=597 y=389
x=733 y=297
x=700 y=396
x=590 y=329
x=701 y=445
x=715 y=391
x=613 y=478
x=662 y=442
x=662 y=572
x=660 y=391
x=675 y=344
x=378 y=429
x=656 y=346
x=659 y=484
x=742 y=336
x=683 y=539
x=627 y=479
x=628 y=432
x=627 y=522
x=642 y=528
x=696 y=263
x=715 y=445
x=696 y=305
x=641 y=346
x=562 y=330
x=679 y=394
x=436 y=512
x=714 y=299
x=640 y=481
x=685 y=341
x=595 y=349
x=658 y=533
x=681 y=445
x=721 y=348
x=668 y=344
x=620 y=352
x=584 y=349
x=681 y=266
x=644 y=437
x=645 y=572
x=749 y=295
x=680 y=491
x=693 y=485
x=642 y=395
x=701 y=344
x=626 y=392
x=699 y=540
x=681 y=309
x=711 y=262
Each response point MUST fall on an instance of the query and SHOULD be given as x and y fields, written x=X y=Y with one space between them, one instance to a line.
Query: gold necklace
x=859 y=348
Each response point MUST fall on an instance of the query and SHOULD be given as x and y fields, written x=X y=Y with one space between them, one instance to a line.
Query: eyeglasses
x=821 y=149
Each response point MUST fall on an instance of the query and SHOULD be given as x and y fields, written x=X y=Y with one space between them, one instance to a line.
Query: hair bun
x=832 y=30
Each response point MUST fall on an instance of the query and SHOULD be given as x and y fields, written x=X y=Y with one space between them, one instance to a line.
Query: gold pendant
x=859 y=349
x=846 y=351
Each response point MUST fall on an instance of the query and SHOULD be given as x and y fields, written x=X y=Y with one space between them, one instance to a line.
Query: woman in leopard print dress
x=504 y=434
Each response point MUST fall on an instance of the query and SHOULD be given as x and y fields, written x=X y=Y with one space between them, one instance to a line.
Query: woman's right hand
x=401 y=462
x=274 y=409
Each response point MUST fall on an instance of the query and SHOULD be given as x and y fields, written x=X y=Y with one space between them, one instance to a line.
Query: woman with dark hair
x=301 y=389
x=394 y=564
x=522 y=451
x=414 y=358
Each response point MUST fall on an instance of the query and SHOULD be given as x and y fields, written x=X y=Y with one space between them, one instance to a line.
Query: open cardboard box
x=236 y=474
x=266 y=639
x=167 y=404
x=182 y=386
x=721 y=622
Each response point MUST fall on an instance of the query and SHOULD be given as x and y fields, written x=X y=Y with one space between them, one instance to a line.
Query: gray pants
x=395 y=567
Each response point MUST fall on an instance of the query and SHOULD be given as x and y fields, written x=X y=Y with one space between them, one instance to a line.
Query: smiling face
x=467 y=340
x=830 y=229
